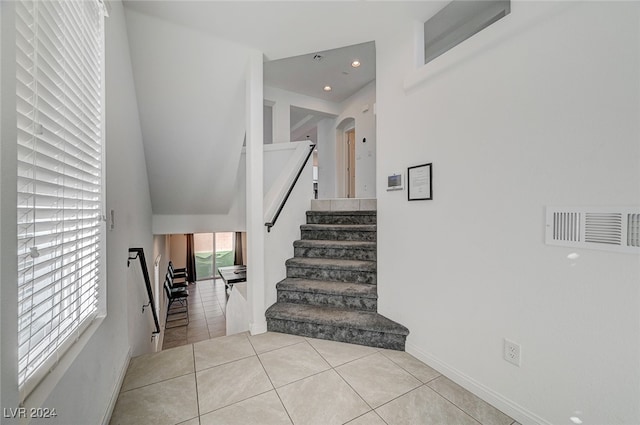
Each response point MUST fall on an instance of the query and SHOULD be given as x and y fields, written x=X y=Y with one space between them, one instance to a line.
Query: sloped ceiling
x=189 y=60
x=190 y=90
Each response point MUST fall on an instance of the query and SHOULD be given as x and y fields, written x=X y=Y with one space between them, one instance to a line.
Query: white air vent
x=604 y=228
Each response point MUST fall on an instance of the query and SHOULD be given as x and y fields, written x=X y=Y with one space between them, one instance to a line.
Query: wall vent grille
x=633 y=230
x=605 y=228
x=566 y=226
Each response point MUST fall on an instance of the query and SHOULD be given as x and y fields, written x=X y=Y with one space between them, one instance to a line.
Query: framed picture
x=420 y=182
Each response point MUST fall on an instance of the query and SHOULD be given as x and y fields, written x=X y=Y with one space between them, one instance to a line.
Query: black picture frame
x=420 y=182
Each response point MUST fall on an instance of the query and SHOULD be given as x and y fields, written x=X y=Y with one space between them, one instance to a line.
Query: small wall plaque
x=420 y=182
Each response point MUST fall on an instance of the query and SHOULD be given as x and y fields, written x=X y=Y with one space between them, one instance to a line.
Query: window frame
x=34 y=389
x=458 y=21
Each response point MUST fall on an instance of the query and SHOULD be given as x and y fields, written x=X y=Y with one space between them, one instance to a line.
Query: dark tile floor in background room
x=207 y=309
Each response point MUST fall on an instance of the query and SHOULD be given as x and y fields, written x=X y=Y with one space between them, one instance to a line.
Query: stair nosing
x=332 y=264
x=354 y=227
x=278 y=307
x=342 y=212
x=369 y=293
x=331 y=243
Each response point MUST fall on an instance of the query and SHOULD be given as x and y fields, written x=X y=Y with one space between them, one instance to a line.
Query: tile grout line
x=460 y=407
x=195 y=378
x=406 y=370
x=157 y=382
x=453 y=404
x=236 y=402
x=269 y=378
x=342 y=377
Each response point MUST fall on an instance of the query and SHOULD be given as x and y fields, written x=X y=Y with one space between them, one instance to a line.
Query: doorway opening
x=350 y=141
x=345 y=143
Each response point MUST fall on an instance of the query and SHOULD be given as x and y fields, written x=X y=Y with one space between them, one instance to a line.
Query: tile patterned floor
x=207 y=308
x=276 y=378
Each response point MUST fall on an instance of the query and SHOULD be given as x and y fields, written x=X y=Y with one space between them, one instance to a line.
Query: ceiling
x=282 y=29
x=189 y=62
x=308 y=74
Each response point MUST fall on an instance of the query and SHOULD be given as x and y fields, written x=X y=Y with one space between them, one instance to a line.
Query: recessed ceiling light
x=327 y=88
x=355 y=64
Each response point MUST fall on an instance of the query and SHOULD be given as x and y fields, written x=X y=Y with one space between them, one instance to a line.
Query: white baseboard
x=517 y=412
x=258 y=327
x=116 y=390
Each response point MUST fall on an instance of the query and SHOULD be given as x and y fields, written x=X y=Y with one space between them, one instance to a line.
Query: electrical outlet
x=512 y=352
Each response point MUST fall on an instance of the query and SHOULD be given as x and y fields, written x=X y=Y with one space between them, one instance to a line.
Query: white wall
x=233 y=221
x=190 y=87
x=84 y=392
x=267 y=122
x=279 y=241
x=541 y=108
x=327 y=186
x=330 y=153
x=276 y=157
x=360 y=107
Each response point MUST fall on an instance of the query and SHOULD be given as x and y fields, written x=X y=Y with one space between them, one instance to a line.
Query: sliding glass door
x=224 y=250
x=212 y=250
x=203 y=250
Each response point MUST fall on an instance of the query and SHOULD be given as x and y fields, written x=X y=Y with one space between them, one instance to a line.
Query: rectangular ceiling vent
x=605 y=228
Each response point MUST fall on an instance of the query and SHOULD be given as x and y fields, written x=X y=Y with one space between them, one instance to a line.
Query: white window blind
x=60 y=54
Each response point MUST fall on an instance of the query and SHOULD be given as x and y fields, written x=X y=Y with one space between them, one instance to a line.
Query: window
x=59 y=67
x=458 y=21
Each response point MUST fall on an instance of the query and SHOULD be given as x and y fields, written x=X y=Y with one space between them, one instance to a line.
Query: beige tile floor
x=207 y=308
x=276 y=378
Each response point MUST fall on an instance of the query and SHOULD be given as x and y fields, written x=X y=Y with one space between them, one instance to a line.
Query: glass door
x=212 y=250
x=203 y=250
x=224 y=250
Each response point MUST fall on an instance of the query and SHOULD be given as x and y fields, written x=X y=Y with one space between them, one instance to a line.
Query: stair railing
x=139 y=253
x=272 y=223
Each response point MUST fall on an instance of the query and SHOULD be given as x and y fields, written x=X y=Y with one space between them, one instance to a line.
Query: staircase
x=330 y=291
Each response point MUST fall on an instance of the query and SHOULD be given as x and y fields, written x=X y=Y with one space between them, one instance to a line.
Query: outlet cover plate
x=512 y=352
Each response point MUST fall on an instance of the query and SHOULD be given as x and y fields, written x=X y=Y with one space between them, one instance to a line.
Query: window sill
x=44 y=389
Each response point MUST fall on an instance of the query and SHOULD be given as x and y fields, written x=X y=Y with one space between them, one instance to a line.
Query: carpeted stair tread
x=362 y=290
x=337 y=317
x=342 y=217
x=340 y=227
x=331 y=264
x=318 y=243
x=333 y=212
x=330 y=291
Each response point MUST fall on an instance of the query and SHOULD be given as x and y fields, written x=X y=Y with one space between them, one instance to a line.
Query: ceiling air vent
x=604 y=228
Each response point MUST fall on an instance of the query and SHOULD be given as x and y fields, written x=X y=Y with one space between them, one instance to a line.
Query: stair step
x=339 y=232
x=341 y=217
x=336 y=324
x=359 y=296
x=351 y=250
x=332 y=269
